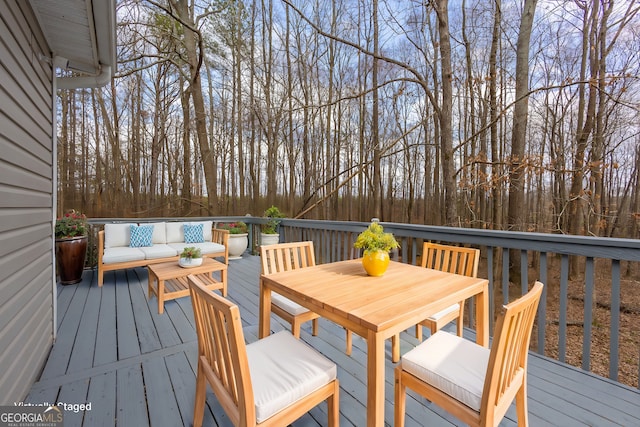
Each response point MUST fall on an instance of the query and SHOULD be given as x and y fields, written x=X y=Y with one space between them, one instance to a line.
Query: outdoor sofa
x=128 y=245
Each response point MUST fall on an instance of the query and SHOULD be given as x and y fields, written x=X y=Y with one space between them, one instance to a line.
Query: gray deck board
x=161 y=400
x=130 y=397
x=102 y=395
x=138 y=367
x=128 y=343
x=107 y=344
x=147 y=332
x=74 y=392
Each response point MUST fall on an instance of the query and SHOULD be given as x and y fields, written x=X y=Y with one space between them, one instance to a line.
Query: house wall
x=26 y=202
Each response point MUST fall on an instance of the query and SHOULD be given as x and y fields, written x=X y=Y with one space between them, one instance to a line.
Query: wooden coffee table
x=167 y=280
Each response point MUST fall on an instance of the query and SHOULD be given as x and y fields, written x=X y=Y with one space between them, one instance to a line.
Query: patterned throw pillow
x=193 y=233
x=141 y=235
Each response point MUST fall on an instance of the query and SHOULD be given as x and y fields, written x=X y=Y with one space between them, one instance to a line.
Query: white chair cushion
x=116 y=235
x=442 y=313
x=283 y=370
x=159 y=233
x=287 y=305
x=205 y=248
x=158 y=251
x=451 y=364
x=122 y=254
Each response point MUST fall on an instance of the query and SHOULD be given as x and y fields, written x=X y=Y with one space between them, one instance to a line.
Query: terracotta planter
x=375 y=263
x=238 y=243
x=70 y=256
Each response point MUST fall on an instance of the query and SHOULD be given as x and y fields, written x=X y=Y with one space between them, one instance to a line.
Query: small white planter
x=189 y=262
x=269 y=239
x=238 y=243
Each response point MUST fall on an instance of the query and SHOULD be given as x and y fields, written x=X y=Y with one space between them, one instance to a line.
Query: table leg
x=150 y=279
x=395 y=348
x=482 y=316
x=160 y=296
x=375 y=380
x=223 y=277
x=265 y=311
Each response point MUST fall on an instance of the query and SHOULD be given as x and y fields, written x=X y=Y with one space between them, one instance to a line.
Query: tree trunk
x=518 y=139
x=446 y=130
x=193 y=47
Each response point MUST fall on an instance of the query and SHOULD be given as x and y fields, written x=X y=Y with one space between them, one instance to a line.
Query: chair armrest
x=100 y=246
x=221 y=237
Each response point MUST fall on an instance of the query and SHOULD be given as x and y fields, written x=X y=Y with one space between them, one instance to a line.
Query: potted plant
x=269 y=235
x=376 y=245
x=71 y=246
x=190 y=257
x=238 y=240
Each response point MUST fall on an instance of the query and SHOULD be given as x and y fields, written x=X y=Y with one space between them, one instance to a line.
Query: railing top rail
x=590 y=246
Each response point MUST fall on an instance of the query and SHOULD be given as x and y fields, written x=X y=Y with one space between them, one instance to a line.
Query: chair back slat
x=286 y=256
x=509 y=352
x=452 y=259
x=222 y=350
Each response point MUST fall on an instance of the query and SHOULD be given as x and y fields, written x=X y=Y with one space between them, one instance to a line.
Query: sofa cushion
x=193 y=233
x=159 y=251
x=159 y=233
x=205 y=248
x=117 y=235
x=121 y=254
x=141 y=235
x=175 y=233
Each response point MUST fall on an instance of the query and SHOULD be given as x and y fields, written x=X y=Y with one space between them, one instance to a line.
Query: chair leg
x=333 y=408
x=395 y=348
x=201 y=396
x=349 y=341
x=400 y=398
x=295 y=328
x=460 y=322
x=419 y=332
x=521 y=406
x=314 y=327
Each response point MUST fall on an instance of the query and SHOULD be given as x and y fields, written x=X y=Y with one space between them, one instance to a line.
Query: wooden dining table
x=376 y=308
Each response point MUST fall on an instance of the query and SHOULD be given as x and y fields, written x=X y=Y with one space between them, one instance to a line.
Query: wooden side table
x=167 y=280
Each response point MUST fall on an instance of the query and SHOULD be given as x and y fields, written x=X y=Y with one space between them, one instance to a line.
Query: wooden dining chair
x=271 y=382
x=452 y=259
x=285 y=257
x=473 y=383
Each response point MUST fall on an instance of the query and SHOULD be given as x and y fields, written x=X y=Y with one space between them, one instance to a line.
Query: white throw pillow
x=159 y=233
x=116 y=235
x=175 y=234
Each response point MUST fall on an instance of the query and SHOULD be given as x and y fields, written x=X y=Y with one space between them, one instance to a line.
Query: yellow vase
x=375 y=263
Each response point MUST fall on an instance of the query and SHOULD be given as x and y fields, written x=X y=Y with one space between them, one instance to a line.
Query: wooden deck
x=136 y=367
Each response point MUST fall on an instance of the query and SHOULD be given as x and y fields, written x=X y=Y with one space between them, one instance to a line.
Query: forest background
x=513 y=115
x=504 y=115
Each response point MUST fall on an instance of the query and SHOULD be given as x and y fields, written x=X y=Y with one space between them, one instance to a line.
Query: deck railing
x=546 y=256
